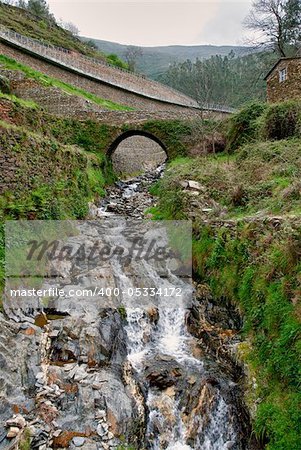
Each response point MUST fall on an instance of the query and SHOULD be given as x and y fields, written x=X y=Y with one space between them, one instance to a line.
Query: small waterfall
x=217 y=437
x=176 y=435
x=169 y=336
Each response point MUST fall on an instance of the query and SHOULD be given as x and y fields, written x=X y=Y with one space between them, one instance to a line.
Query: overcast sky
x=157 y=22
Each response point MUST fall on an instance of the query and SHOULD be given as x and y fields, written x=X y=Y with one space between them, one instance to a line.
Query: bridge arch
x=130 y=133
x=135 y=151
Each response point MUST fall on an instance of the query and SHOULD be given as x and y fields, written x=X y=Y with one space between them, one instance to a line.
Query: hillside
x=27 y=24
x=156 y=60
x=245 y=205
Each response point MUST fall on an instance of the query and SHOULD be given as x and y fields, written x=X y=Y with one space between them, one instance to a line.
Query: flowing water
x=176 y=418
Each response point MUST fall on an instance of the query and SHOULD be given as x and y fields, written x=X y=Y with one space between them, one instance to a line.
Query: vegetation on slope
x=260 y=122
x=45 y=80
x=64 y=174
x=52 y=192
x=26 y=23
x=248 y=252
x=47 y=31
x=261 y=179
x=258 y=269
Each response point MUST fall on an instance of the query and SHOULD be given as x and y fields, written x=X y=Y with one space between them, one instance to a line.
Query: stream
x=162 y=344
x=159 y=375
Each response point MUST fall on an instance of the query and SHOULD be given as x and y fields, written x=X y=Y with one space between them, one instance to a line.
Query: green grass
x=263 y=281
x=19 y=101
x=97 y=180
x=45 y=80
x=259 y=178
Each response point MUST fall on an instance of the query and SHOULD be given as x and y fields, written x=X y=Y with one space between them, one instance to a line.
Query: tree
x=39 y=8
x=131 y=55
x=276 y=23
x=229 y=80
x=69 y=26
x=293 y=23
x=116 y=61
x=92 y=44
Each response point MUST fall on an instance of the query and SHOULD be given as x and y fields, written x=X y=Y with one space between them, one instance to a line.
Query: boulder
x=195 y=185
x=78 y=441
x=162 y=372
x=16 y=421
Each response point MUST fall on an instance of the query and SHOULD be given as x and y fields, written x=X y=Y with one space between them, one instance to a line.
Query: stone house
x=284 y=80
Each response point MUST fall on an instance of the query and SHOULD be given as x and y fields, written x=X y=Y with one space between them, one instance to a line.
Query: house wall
x=288 y=89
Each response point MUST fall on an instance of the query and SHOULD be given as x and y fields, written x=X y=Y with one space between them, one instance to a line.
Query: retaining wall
x=99 y=88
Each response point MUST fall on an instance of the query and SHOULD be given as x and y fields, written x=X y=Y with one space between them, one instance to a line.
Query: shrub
x=243 y=127
x=282 y=121
x=25 y=440
x=116 y=61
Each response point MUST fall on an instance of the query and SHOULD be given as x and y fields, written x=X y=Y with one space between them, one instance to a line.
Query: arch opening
x=136 y=152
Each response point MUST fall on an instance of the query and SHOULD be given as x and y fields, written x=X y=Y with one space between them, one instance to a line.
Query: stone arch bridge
x=145 y=144
x=157 y=128
x=146 y=150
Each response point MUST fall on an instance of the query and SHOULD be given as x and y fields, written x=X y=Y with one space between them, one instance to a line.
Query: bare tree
x=132 y=54
x=267 y=20
x=69 y=26
x=276 y=23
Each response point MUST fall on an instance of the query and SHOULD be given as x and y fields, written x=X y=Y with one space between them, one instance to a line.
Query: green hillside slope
x=247 y=253
x=26 y=23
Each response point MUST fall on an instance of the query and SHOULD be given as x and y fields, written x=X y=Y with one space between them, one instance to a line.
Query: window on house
x=283 y=74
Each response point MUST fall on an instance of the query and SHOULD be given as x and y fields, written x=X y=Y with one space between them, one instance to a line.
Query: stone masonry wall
x=54 y=100
x=98 y=88
x=290 y=88
x=42 y=175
